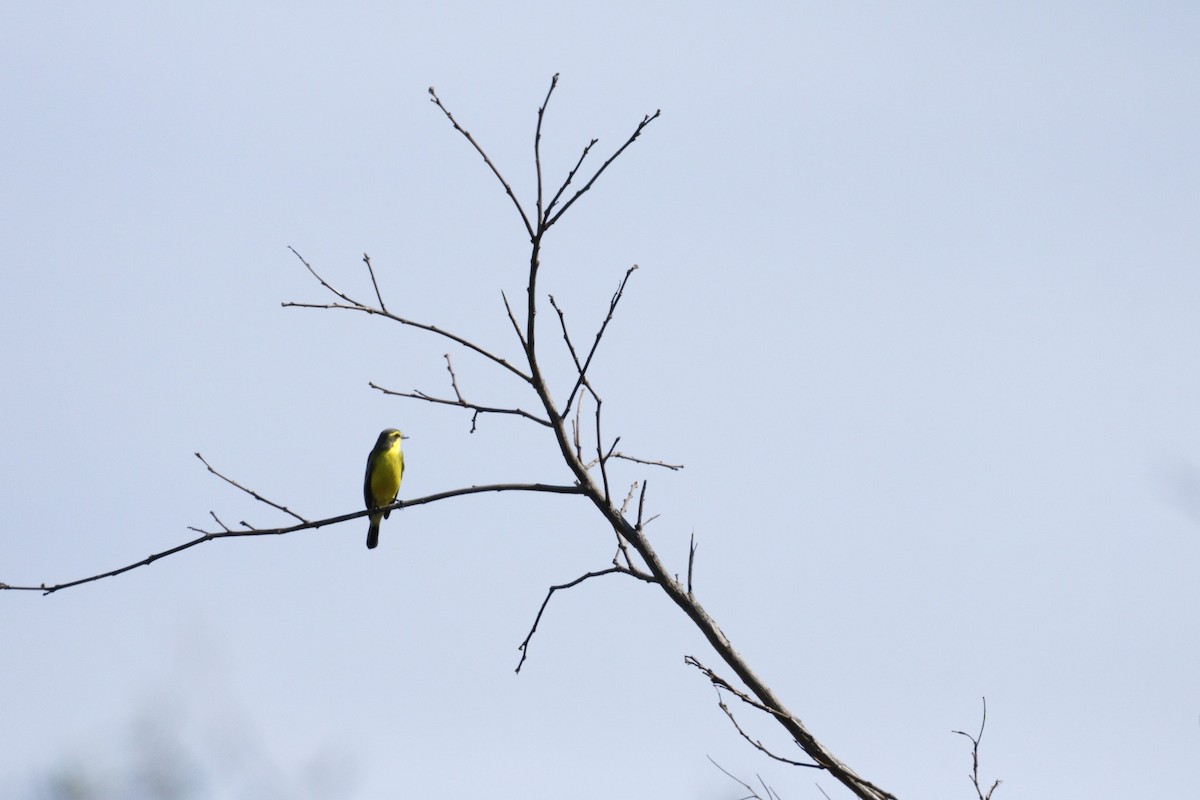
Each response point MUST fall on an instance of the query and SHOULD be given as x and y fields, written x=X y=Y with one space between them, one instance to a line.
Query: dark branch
x=513 y=319
x=320 y=523
x=354 y=305
x=975 y=740
x=508 y=189
x=537 y=145
x=250 y=492
x=672 y=467
x=370 y=269
x=460 y=403
x=571 y=174
x=612 y=307
x=613 y=570
x=691 y=562
x=646 y=120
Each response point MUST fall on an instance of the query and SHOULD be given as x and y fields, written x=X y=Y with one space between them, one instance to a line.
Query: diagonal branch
x=613 y=570
x=225 y=533
x=975 y=740
x=646 y=120
x=354 y=305
x=508 y=189
x=571 y=174
x=460 y=403
x=612 y=307
x=250 y=492
x=367 y=260
x=537 y=144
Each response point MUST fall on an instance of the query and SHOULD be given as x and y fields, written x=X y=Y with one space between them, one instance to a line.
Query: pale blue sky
x=918 y=307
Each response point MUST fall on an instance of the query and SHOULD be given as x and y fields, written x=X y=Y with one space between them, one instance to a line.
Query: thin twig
x=251 y=492
x=513 y=319
x=508 y=189
x=370 y=269
x=354 y=305
x=758 y=745
x=975 y=740
x=454 y=380
x=613 y=570
x=571 y=174
x=641 y=506
x=672 y=467
x=753 y=794
x=537 y=145
x=612 y=307
x=460 y=403
x=646 y=120
x=691 y=562
x=600 y=455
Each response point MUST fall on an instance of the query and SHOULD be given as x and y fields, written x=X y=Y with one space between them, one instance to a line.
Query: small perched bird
x=385 y=468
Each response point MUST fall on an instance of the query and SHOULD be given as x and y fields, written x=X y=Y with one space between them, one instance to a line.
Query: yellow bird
x=385 y=468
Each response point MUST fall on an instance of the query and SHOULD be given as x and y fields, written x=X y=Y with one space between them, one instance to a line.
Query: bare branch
x=758 y=745
x=508 y=189
x=571 y=174
x=354 y=305
x=691 y=562
x=537 y=145
x=672 y=467
x=323 y=282
x=478 y=409
x=641 y=506
x=613 y=570
x=250 y=492
x=562 y=322
x=612 y=307
x=513 y=319
x=754 y=795
x=313 y=524
x=975 y=740
x=370 y=269
x=646 y=120
x=454 y=379
x=600 y=455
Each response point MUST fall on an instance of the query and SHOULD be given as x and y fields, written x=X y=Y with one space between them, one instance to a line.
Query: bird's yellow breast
x=385 y=477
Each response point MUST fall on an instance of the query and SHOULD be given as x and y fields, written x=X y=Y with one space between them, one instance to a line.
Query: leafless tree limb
x=226 y=533
x=375 y=283
x=354 y=305
x=571 y=175
x=250 y=492
x=754 y=795
x=613 y=570
x=647 y=462
x=612 y=307
x=691 y=561
x=513 y=319
x=646 y=120
x=537 y=144
x=758 y=745
x=975 y=740
x=508 y=189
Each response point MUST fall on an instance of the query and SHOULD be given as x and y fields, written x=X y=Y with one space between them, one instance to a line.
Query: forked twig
x=646 y=120
x=612 y=307
x=508 y=189
x=613 y=570
x=975 y=740
x=354 y=305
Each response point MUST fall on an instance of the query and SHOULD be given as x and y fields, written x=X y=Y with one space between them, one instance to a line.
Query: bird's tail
x=373 y=532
